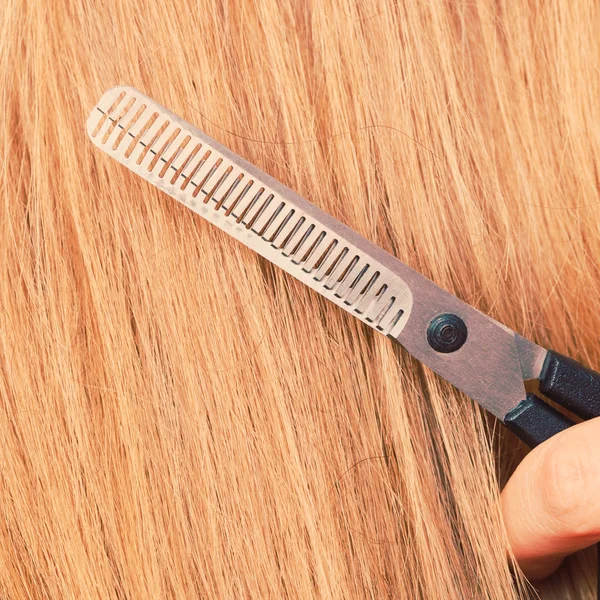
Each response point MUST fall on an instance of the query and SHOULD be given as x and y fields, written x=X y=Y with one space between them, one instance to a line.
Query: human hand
x=551 y=504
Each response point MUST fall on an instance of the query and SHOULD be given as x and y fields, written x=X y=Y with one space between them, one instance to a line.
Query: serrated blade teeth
x=250 y=205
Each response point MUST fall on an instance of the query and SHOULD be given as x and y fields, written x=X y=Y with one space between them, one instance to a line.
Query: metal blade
x=311 y=245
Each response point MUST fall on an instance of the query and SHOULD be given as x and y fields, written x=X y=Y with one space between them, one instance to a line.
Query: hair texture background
x=181 y=420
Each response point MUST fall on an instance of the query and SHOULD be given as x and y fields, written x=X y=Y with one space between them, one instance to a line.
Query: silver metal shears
x=483 y=358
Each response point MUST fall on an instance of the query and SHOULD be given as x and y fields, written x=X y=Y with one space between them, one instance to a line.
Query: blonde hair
x=182 y=420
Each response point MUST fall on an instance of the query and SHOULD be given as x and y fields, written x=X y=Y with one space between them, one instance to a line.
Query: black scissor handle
x=535 y=421
x=570 y=384
x=567 y=383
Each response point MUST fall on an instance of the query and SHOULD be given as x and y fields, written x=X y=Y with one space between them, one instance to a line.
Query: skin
x=550 y=504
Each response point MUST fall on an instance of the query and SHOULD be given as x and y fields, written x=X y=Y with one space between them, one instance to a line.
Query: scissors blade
x=313 y=246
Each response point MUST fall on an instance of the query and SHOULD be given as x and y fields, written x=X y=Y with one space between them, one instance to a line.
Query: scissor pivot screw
x=447 y=333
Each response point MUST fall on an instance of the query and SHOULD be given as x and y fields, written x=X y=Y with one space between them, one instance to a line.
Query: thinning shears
x=486 y=360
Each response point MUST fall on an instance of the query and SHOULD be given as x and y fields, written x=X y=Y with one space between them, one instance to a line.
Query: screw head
x=447 y=333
